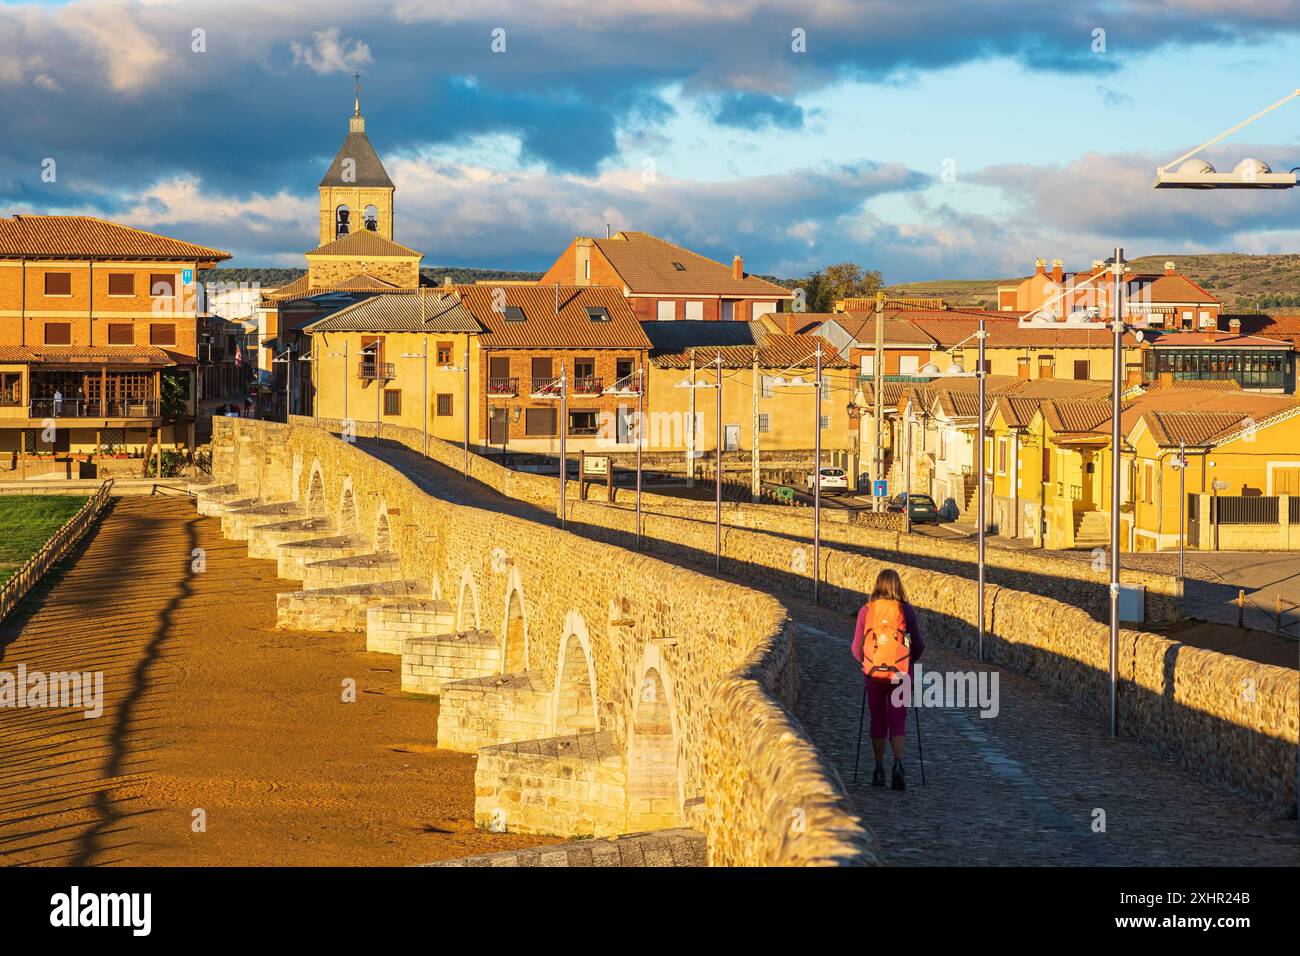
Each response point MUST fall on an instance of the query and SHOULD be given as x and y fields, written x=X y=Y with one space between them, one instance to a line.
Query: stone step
x=390 y=626
x=483 y=711
x=568 y=786
x=335 y=572
x=432 y=660
x=236 y=522
x=216 y=505
x=294 y=556
x=341 y=608
x=264 y=540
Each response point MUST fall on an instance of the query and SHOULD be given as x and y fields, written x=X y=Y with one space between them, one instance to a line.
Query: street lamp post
x=1182 y=503
x=466 y=404
x=981 y=335
x=817 y=479
x=424 y=355
x=564 y=434
x=717 y=483
x=1117 y=371
x=640 y=441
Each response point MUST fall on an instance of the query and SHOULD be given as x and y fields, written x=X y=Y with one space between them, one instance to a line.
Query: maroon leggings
x=885 y=714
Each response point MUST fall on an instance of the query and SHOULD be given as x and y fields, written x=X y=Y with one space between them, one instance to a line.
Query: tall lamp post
x=717 y=482
x=780 y=382
x=425 y=404
x=1117 y=371
x=640 y=441
x=564 y=435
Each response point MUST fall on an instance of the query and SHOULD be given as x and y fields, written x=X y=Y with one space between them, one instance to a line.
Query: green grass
x=26 y=523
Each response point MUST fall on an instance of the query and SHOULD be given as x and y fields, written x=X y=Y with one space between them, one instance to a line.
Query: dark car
x=921 y=509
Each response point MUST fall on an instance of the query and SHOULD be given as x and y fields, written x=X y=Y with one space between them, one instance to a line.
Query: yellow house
x=768 y=399
x=377 y=359
x=1242 y=457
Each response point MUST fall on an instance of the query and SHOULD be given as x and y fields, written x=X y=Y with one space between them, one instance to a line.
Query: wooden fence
x=59 y=543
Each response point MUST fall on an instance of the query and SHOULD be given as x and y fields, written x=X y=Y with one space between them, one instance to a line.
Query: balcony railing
x=588 y=385
x=507 y=387
x=370 y=371
x=628 y=385
x=91 y=408
x=546 y=387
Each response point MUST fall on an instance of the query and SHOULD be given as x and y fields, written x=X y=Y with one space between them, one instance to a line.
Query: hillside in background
x=1244 y=283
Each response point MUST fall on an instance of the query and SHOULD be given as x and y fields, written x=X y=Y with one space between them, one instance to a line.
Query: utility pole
x=755 y=483
x=877 y=388
x=1117 y=344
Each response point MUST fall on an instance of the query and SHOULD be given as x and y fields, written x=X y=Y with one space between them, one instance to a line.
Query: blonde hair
x=889 y=587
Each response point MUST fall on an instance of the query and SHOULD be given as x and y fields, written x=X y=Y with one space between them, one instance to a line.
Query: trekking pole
x=861 y=718
x=920 y=747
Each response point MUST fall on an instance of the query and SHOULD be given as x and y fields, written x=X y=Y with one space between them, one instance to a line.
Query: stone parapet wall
x=725 y=653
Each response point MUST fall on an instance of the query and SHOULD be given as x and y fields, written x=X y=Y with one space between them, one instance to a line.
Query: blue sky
x=930 y=139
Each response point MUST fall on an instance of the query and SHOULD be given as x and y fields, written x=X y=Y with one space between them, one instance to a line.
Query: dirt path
x=208 y=707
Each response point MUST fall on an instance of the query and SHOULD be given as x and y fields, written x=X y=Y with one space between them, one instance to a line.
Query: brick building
x=99 y=339
x=665 y=282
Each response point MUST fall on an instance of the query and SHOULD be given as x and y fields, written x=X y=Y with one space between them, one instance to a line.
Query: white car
x=833 y=481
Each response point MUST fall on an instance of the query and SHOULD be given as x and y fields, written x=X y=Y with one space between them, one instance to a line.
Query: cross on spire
x=356 y=79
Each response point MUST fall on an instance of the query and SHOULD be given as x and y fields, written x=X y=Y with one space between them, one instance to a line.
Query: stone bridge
x=605 y=692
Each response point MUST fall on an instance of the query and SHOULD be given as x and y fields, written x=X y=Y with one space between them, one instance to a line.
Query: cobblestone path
x=1023 y=788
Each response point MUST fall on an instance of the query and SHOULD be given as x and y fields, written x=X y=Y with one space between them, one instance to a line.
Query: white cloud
x=330 y=53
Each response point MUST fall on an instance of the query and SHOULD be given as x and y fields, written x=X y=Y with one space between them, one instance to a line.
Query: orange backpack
x=886 y=647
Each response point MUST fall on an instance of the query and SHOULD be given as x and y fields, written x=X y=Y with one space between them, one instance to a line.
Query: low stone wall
x=724 y=654
x=1071 y=579
x=1229 y=719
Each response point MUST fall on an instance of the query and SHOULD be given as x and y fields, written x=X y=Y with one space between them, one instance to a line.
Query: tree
x=843 y=280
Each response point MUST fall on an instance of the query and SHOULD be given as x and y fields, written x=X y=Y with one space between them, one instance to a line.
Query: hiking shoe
x=878 y=776
x=899 y=782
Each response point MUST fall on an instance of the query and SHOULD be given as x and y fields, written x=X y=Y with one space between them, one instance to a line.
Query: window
x=584 y=368
x=586 y=269
x=540 y=422
x=679 y=267
x=58 y=283
x=58 y=333
x=624 y=370
x=11 y=388
x=121 y=283
x=162 y=334
x=512 y=313
x=121 y=333
x=764 y=422
x=908 y=364
x=760 y=309
x=868 y=365
x=988 y=456
x=825 y=422
x=444 y=405
x=1002 y=456
x=988 y=366
x=598 y=313
x=582 y=423
x=162 y=284
x=444 y=353
x=695 y=311
x=765 y=386
x=392 y=401
x=1081 y=370
x=666 y=311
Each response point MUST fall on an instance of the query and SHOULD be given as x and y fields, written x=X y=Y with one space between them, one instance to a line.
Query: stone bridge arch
x=348 y=521
x=574 y=708
x=655 y=787
x=514 y=627
x=316 y=507
x=468 y=588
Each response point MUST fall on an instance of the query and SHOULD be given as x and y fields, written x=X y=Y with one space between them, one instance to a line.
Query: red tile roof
x=77 y=237
x=91 y=355
x=648 y=264
x=571 y=327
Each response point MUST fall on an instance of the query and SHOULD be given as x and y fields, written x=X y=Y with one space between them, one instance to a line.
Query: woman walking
x=895 y=645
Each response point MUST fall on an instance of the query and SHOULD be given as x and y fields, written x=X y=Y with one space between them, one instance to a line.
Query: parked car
x=921 y=509
x=833 y=481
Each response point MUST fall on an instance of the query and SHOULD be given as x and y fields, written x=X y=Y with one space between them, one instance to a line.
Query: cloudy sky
x=928 y=139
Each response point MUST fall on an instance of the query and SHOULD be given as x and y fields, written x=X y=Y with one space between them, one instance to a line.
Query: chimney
x=1234 y=326
x=446 y=281
x=1133 y=376
x=1166 y=379
x=582 y=260
x=737 y=268
x=1040 y=266
x=1058 y=270
x=1169 y=268
x=1098 y=265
